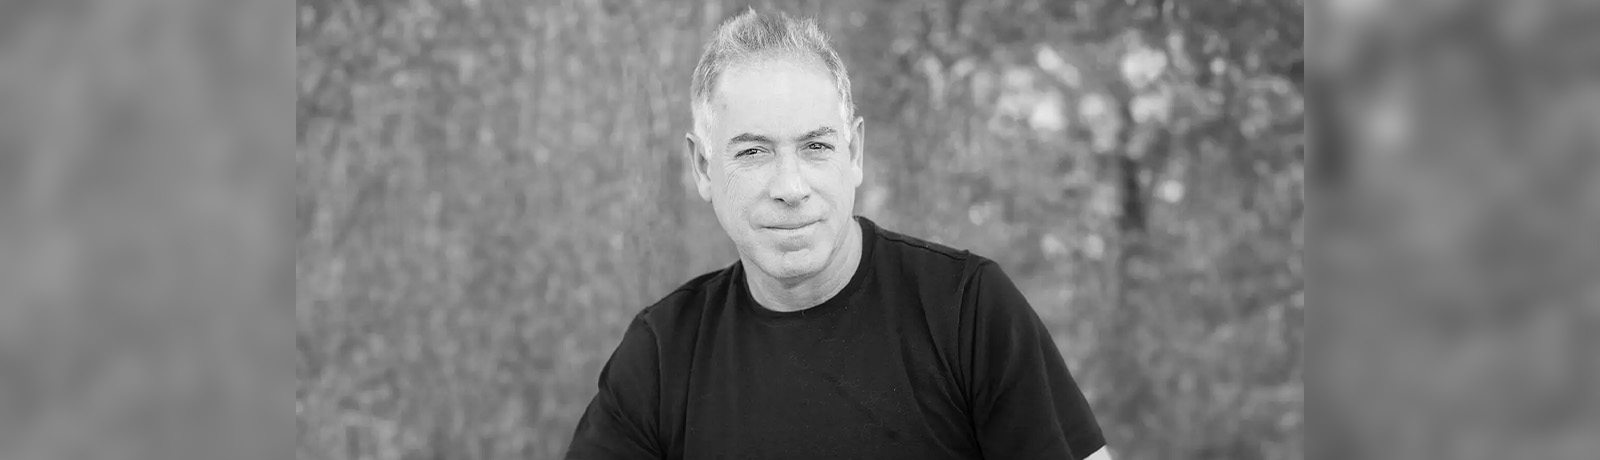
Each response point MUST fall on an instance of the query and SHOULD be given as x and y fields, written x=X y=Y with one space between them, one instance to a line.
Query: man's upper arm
x=622 y=422
x=1024 y=402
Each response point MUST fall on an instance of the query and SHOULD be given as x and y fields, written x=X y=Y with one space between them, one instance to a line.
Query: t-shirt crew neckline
x=869 y=232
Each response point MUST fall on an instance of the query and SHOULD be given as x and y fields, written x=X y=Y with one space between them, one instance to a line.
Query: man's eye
x=818 y=146
x=747 y=152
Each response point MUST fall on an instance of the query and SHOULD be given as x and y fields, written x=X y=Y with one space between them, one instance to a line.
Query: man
x=830 y=337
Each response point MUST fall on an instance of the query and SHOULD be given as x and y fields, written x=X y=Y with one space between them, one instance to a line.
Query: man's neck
x=789 y=296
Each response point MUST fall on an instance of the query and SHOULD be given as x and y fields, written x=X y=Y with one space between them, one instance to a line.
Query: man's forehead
x=779 y=95
x=774 y=80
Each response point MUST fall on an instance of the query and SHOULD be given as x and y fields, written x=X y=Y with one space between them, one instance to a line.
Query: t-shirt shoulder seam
x=952 y=253
x=688 y=288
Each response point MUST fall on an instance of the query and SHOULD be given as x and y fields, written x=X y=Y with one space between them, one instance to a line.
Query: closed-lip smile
x=791 y=226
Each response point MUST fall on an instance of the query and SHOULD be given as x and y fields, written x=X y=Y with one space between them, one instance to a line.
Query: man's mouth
x=791 y=225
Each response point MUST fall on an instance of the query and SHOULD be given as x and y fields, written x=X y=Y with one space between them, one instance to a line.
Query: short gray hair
x=751 y=35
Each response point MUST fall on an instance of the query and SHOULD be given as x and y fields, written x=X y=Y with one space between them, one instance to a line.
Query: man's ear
x=858 y=151
x=698 y=165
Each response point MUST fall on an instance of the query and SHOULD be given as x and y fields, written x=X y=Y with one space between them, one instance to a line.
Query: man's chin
x=792 y=265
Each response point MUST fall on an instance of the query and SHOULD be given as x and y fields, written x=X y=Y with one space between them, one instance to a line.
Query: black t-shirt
x=929 y=353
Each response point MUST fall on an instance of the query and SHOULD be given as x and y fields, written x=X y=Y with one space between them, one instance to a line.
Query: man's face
x=780 y=164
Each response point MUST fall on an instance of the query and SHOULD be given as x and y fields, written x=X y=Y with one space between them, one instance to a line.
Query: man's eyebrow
x=747 y=137
x=816 y=133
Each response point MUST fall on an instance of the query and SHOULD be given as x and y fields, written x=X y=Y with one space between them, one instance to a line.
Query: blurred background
x=145 y=263
x=1457 y=300
x=488 y=190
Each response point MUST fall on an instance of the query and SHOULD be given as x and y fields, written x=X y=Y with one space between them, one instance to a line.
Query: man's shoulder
x=688 y=299
x=927 y=257
x=944 y=280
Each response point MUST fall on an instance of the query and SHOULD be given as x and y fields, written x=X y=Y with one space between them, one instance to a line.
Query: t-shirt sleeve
x=622 y=420
x=1024 y=403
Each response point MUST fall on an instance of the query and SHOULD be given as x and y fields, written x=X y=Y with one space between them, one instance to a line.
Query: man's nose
x=788 y=185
